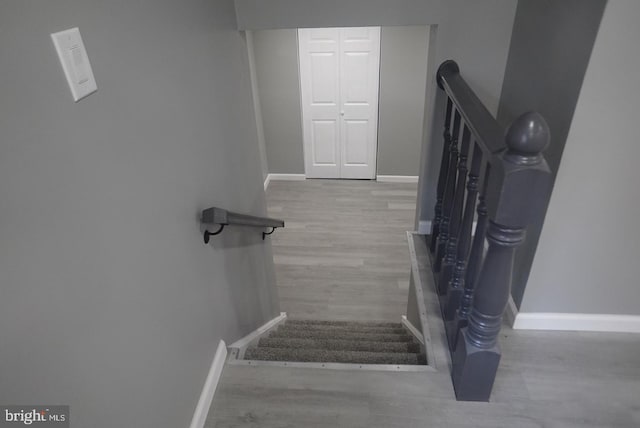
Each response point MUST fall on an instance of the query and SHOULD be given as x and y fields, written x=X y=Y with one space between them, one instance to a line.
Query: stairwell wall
x=544 y=73
x=586 y=262
x=111 y=302
x=403 y=69
x=476 y=34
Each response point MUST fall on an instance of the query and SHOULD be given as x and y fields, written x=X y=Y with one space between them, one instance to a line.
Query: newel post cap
x=528 y=135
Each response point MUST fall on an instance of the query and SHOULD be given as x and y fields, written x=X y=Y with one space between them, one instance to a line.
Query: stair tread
x=327 y=356
x=340 y=345
x=329 y=334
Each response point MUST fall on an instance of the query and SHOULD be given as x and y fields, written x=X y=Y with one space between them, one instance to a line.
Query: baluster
x=456 y=284
x=451 y=247
x=447 y=199
x=471 y=276
x=520 y=173
x=442 y=178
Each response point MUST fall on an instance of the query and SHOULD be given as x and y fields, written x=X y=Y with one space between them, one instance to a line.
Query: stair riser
x=344 y=329
x=382 y=324
x=349 y=357
x=340 y=345
x=342 y=336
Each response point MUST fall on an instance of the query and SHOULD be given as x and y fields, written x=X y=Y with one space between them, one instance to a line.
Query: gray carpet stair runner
x=353 y=342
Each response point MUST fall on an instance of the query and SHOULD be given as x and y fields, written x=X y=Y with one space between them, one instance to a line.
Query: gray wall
x=587 y=255
x=550 y=48
x=403 y=78
x=257 y=110
x=476 y=34
x=110 y=300
x=545 y=69
x=403 y=69
x=261 y=15
x=276 y=59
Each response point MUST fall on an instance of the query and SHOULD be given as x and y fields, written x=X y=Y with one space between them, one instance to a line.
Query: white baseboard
x=577 y=322
x=288 y=177
x=210 y=385
x=283 y=177
x=397 y=178
x=412 y=328
x=424 y=227
x=259 y=331
x=511 y=312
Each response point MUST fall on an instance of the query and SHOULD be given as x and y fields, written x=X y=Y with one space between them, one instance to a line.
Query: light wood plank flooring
x=343 y=253
x=546 y=379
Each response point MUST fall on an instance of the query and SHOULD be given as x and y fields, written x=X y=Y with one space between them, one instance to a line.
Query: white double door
x=339 y=75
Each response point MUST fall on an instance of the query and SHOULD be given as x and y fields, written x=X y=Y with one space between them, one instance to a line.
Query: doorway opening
x=339 y=81
x=359 y=114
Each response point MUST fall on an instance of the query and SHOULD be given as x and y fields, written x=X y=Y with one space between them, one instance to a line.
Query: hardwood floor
x=343 y=253
x=546 y=379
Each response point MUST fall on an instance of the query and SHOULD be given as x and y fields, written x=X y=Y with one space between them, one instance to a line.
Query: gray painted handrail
x=224 y=218
x=485 y=129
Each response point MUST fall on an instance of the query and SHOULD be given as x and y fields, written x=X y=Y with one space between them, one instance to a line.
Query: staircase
x=350 y=342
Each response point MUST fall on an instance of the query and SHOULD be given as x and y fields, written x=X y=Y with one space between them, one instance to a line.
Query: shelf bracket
x=273 y=229
x=208 y=234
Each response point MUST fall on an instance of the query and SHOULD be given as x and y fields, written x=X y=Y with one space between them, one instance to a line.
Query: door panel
x=359 y=77
x=339 y=72
x=356 y=136
x=355 y=77
x=320 y=89
x=324 y=85
x=324 y=141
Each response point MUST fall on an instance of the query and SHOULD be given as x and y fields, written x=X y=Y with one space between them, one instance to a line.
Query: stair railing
x=499 y=181
x=223 y=218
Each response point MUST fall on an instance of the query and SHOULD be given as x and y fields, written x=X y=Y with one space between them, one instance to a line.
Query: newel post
x=516 y=184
